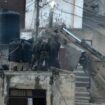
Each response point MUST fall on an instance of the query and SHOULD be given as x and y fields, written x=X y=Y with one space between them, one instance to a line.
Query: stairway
x=82 y=94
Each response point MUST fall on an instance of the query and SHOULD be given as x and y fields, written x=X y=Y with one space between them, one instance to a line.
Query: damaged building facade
x=27 y=86
x=35 y=88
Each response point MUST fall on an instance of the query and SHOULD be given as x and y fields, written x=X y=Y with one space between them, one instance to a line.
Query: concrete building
x=35 y=88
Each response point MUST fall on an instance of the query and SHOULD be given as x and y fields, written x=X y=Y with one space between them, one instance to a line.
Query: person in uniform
x=54 y=52
x=41 y=54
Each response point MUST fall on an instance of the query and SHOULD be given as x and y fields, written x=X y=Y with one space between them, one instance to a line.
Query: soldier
x=44 y=54
x=35 y=54
x=54 y=50
x=83 y=59
x=41 y=54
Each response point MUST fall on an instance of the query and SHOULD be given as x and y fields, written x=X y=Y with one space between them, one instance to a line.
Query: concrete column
x=78 y=13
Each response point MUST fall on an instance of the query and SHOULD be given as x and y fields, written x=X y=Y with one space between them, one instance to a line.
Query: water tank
x=9 y=26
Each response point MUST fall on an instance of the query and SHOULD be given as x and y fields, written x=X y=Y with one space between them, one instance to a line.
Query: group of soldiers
x=45 y=53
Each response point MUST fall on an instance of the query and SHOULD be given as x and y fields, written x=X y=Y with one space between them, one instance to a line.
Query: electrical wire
x=89 y=26
x=61 y=10
x=82 y=17
x=70 y=4
x=13 y=50
x=29 y=5
x=89 y=18
x=32 y=19
x=90 y=12
x=6 y=57
x=86 y=10
x=77 y=16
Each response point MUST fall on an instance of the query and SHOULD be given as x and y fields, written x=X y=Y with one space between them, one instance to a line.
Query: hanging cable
x=89 y=18
x=32 y=19
x=13 y=50
x=86 y=10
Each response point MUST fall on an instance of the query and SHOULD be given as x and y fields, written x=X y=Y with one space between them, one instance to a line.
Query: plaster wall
x=62 y=88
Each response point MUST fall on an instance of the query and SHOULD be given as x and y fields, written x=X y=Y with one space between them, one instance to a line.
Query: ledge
x=27 y=73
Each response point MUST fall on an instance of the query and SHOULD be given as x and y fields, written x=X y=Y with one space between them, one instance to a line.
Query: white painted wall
x=72 y=18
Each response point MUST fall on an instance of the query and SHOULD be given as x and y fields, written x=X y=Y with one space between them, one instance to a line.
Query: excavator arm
x=84 y=45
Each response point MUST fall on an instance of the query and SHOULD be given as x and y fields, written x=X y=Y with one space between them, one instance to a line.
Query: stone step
x=82 y=84
x=83 y=94
x=82 y=98
x=81 y=74
x=84 y=76
x=84 y=89
x=83 y=79
x=79 y=71
x=82 y=103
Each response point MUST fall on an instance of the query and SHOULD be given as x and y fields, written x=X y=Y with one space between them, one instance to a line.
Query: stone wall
x=62 y=88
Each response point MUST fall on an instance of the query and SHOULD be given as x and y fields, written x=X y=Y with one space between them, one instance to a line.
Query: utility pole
x=36 y=25
x=51 y=17
x=51 y=13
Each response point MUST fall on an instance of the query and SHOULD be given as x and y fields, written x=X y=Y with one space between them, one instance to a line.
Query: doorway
x=39 y=97
x=27 y=97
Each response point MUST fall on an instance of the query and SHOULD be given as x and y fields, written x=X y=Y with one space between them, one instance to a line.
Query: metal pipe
x=71 y=34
